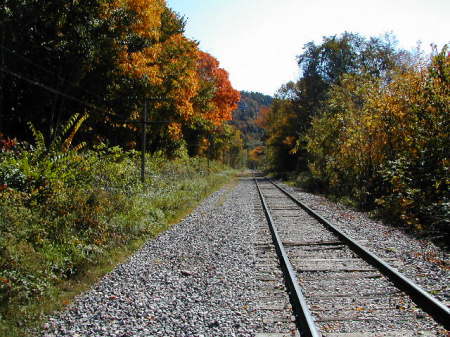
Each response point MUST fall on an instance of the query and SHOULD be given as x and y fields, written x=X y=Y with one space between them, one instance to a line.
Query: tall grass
x=64 y=218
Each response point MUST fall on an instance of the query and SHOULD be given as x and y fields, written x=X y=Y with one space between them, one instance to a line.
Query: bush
x=386 y=143
x=63 y=211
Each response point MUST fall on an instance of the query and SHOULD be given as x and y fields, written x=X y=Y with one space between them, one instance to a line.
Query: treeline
x=107 y=59
x=370 y=122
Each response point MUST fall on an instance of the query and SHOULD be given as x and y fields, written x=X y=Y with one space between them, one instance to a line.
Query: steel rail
x=439 y=311
x=304 y=318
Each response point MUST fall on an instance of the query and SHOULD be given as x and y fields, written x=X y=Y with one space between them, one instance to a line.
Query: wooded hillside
x=246 y=115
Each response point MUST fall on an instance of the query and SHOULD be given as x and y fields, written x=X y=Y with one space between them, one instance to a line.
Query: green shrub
x=58 y=216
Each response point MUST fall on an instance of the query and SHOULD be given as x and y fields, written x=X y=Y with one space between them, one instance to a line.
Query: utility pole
x=144 y=121
x=144 y=140
x=2 y=75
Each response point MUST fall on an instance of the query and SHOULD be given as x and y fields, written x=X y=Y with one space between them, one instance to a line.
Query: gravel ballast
x=200 y=278
x=196 y=279
x=345 y=293
x=420 y=260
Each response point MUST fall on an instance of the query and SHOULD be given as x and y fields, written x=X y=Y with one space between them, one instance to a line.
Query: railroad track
x=336 y=287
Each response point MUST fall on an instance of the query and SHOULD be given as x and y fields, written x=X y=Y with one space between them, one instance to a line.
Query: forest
x=369 y=123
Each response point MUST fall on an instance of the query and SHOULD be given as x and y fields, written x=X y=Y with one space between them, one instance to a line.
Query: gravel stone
x=420 y=260
x=207 y=275
x=196 y=279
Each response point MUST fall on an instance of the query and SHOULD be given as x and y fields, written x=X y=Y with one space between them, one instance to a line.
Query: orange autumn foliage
x=175 y=131
x=263 y=117
x=166 y=61
x=196 y=93
x=141 y=64
x=225 y=97
x=145 y=24
x=178 y=68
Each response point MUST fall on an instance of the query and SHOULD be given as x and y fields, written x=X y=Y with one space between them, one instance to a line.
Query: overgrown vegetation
x=368 y=122
x=64 y=211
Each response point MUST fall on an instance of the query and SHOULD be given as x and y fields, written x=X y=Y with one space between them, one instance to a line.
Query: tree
x=213 y=104
x=45 y=41
x=385 y=143
x=215 y=84
x=323 y=66
x=108 y=58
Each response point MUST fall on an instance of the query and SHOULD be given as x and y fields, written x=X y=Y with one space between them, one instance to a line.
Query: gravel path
x=196 y=279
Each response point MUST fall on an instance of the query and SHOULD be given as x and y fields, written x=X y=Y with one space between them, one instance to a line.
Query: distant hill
x=245 y=115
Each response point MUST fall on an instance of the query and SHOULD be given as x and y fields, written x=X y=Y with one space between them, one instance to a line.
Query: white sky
x=257 y=41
